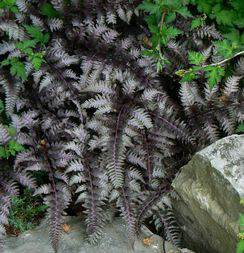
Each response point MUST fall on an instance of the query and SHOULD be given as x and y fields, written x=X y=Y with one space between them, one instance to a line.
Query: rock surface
x=115 y=240
x=210 y=187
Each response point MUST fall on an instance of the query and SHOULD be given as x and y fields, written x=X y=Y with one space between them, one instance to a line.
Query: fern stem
x=51 y=176
x=148 y=157
x=116 y=137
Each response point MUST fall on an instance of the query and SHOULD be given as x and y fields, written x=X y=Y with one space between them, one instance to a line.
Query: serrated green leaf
x=203 y=6
x=225 y=17
x=170 y=17
x=23 y=45
x=214 y=75
x=224 y=48
x=5 y=62
x=151 y=52
x=18 y=69
x=37 y=62
x=234 y=35
x=48 y=10
x=149 y=7
x=196 y=58
x=36 y=34
x=172 y=32
x=184 y=12
x=196 y=23
x=45 y=38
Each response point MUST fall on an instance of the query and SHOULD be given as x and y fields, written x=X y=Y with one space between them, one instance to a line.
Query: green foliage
x=214 y=75
x=9 y=5
x=160 y=22
x=25 y=211
x=36 y=34
x=240 y=128
x=47 y=9
x=17 y=68
x=35 y=58
x=12 y=147
x=28 y=47
x=196 y=58
x=229 y=19
x=197 y=22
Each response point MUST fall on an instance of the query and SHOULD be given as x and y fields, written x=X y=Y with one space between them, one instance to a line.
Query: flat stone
x=115 y=240
x=210 y=187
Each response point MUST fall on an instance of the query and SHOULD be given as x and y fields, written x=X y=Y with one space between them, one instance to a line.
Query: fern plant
x=96 y=117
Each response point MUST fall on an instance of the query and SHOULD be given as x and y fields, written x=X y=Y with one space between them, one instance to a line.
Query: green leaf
x=234 y=35
x=240 y=128
x=184 y=12
x=46 y=37
x=159 y=66
x=240 y=247
x=5 y=62
x=151 y=52
x=150 y=7
x=1 y=106
x=172 y=32
x=224 y=48
x=196 y=58
x=170 y=17
x=36 y=34
x=14 y=9
x=18 y=69
x=225 y=17
x=204 y=6
x=214 y=75
x=14 y=146
x=23 y=45
x=188 y=76
x=48 y=10
x=12 y=131
x=2 y=152
x=196 y=23
x=37 y=62
x=7 y=4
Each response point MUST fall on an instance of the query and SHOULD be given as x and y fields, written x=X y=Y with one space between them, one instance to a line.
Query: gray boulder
x=210 y=187
x=114 y=240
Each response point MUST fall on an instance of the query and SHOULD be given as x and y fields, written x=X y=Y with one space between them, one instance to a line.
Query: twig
x=224 y=61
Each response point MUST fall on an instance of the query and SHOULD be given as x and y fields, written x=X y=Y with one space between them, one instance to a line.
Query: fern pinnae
x=177 y=127
x=115 y=165
x=127 y=211
x=149 y=163
x=232 y=85
x=148 y=203
x=55 y=208
x=171 y=228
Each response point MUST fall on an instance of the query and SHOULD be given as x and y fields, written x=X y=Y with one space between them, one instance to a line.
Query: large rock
x=210 y=187
x=114 y=240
